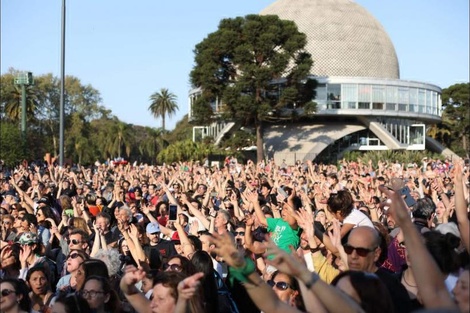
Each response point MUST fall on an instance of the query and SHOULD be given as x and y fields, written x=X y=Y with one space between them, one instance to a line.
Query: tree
x=257 y=66
x=456 y=101
x=163 y=103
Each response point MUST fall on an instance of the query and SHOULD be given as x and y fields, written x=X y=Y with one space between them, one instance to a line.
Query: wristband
x=313 y=279
x=241 y=274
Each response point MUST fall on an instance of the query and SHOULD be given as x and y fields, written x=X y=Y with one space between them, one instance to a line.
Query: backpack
x=226 y=302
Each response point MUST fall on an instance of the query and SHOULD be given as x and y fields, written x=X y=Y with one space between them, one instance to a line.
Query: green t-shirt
x=282 y=234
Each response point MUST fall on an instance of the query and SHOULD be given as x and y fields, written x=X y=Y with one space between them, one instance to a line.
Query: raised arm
x=461 y=205
x=432 y=289
x=253 y=198
x=133 y=295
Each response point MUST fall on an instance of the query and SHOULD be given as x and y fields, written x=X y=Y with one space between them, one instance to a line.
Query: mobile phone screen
x=409 y=200
x=173 y=212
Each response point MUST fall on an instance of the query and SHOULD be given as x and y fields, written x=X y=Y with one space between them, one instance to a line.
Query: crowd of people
x=232 y=237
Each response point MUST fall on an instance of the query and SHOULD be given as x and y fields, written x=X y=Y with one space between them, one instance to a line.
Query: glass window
x=334 y=96
x=421 y=97
x=378 y=94
x=390 y=106
x=402 y=107
x=413 y=96
x=392 y=94
x=364 y=105
x=349 y=92
x=377 y=106
x=364 y=93
x=403 y=94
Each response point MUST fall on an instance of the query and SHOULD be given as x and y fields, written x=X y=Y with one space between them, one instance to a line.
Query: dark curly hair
x=342 y=202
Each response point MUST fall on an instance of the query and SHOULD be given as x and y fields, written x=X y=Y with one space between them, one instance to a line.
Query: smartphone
x=409 y=200
x=173 y=212
x=273 y=198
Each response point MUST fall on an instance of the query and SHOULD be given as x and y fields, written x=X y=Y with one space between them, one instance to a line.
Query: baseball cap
x=152 y=228
x=28 y=238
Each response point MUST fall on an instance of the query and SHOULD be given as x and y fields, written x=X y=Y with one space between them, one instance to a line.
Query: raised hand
x=188 y=287
x=398 y=207
x=284 y=262
x=25 y=253
x=132 y=275
x=226 y=249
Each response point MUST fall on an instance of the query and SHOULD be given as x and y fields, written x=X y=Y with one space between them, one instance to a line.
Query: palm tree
x=163 y=103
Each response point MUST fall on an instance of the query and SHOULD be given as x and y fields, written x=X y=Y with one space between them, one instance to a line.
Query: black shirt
x=398 y=293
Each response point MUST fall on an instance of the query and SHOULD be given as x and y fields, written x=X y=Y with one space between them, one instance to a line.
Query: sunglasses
x=281 y=285
x=360 y=251
x=172 y=267
x=239 y=233
x=74 y=241
x=7 y=292
x=73 y=256
x=6 y=222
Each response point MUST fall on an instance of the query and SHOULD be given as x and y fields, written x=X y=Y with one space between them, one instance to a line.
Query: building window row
x=378 y=97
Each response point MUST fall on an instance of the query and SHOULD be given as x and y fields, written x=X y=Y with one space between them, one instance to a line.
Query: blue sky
x=130 y=49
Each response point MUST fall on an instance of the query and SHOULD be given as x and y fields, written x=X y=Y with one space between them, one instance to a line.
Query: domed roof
x=342 y=37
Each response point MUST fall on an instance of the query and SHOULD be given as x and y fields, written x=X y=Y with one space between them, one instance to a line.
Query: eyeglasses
x=281 y=285
x=172 y=267
x=73 y=256
x=91 y=293
x=6 y=222
x=239 y=233
x=360 y=251
x=7 y=292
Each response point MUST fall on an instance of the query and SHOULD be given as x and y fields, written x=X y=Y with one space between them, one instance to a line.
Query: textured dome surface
x=342 y=37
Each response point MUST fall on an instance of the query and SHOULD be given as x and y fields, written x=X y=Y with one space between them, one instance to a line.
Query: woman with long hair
x=91 y=267
x=40 y=294
x=287 y=289
x=366 y=289
x=44 y=226
x=14 y=295
x=100 y=296
x=73 y=261
x=202 y=262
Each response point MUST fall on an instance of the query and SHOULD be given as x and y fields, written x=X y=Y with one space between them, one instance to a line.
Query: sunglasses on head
x=7 y=292
x=172 y=267
x=239 y=233
x=281 y=285
x=73 y=256
x=360 y=251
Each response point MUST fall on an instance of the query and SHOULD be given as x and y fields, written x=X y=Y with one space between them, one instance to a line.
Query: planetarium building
x=362 y=104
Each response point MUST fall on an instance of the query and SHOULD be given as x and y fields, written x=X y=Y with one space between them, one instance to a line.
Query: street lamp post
x=62 y=89
x=24 y=79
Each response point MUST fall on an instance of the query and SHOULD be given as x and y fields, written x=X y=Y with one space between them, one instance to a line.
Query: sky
x=128 y=50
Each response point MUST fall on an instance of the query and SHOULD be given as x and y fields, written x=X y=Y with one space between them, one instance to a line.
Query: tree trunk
x=259 y=141
x=163 y=122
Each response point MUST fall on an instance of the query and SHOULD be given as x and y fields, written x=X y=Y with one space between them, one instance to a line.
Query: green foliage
x=183 y=131
x=187 y=150
x=391 y=156
x=12 y=150
x=239 y=64
x=456 y=117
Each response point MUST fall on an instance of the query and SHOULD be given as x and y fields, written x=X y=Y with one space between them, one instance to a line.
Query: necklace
x=407 y=283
